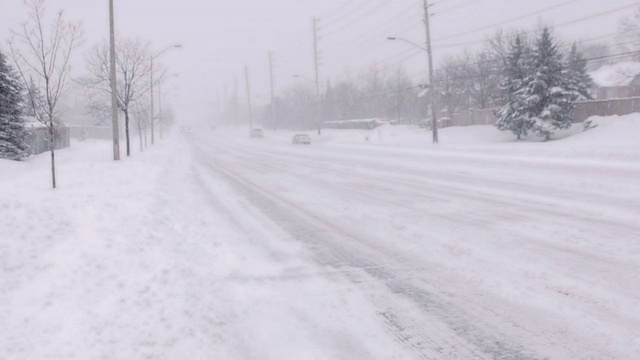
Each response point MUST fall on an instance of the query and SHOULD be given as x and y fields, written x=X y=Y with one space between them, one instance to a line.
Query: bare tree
x=629 y=34
x=482 y=74
x=44 y=52
x=371 y=82
x=452 y=87
x=142 y=110
x=134 y=70
x=599 y=52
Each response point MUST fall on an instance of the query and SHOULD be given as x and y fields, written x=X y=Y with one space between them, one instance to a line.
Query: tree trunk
x=53 y=155
x=140 y=135
x=126 y=129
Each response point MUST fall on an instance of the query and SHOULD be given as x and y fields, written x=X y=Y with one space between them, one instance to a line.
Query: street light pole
x=114 y=89
x=434 y=124
x=434 y=113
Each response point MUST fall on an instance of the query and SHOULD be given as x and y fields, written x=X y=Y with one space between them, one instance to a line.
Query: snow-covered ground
x=363 y=245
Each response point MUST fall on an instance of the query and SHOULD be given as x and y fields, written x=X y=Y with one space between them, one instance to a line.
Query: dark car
x=301 y=139
x=257 y=133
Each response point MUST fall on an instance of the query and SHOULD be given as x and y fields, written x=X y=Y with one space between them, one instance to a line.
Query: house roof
x=616 y=75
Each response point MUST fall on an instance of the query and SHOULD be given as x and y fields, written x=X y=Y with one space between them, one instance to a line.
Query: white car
x=301 y=139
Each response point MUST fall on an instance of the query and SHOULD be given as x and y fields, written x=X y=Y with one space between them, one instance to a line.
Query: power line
x=508 y=21
x=414 y=53
x=344 y=6
x=612 y=56
x=379 y=39
x=455 y=8
x=353 y=11
x=603 y=13
x=399 y=18
x=383 y=4
x=599 y=14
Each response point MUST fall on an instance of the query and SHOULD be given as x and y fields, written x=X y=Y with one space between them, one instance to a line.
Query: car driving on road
x=301 y=139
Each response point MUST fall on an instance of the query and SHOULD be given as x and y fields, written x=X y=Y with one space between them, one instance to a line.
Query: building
x=616 y=81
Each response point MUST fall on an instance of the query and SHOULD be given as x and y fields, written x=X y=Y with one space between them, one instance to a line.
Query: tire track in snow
x=485 y=192
x=478 y=338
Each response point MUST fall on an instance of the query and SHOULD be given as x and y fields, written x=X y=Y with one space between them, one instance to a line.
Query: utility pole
x=114 y=89
x=316 y=61
x=434 y=114
x=273 y=102
x=246 y=75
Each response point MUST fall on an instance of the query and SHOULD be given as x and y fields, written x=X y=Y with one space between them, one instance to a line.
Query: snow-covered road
x=213 y=245
x=463 y=255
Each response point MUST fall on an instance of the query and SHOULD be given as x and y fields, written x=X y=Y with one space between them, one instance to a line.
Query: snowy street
x=215 y=245
x=460 y=258
x=320 y=180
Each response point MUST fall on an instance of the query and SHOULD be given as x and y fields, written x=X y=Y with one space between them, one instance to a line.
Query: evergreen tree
x=513 y=115
x=33 y=100
x=12 y=126
x=545 y=90
x=578 y=80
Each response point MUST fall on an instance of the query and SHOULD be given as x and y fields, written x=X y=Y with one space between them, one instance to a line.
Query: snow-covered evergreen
x=579 y=82
x=545 y=91
x=12 y=126
x=513 y=115
x=540 y=90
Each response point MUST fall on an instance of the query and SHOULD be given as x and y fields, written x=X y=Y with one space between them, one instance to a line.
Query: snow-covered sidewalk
x=135 y=260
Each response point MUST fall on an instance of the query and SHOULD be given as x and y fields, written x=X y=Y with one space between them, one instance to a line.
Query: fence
x=38 y=139
x=367 y=124
x=585 y=110
x=93 y=132
x=582 y=111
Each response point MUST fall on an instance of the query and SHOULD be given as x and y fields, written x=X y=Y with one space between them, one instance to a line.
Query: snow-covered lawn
x=217 y=246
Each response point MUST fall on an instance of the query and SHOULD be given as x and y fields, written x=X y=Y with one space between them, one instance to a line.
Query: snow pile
x=620 y=74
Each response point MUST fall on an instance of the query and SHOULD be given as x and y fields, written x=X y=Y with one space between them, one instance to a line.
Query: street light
x=434 y=122
x=152 y=58
x=317 y=102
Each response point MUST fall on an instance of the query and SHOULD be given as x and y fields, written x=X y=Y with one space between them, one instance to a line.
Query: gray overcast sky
x=220 y=37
